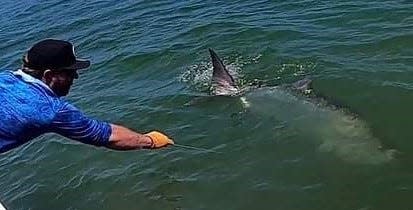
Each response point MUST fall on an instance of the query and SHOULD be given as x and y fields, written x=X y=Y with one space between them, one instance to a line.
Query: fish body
x=337 y=130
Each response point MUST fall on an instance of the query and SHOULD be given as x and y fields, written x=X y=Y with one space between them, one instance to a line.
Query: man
x=31 y=104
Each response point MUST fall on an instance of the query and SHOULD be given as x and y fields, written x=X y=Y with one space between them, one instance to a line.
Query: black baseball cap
x=54 y=54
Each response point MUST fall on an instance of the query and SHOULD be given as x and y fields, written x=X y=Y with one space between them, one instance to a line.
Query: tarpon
x=338 y=131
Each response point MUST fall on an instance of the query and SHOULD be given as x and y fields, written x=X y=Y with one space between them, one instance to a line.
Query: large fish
x=339 y=132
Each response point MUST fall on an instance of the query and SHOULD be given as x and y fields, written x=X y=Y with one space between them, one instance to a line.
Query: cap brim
x=79 y=64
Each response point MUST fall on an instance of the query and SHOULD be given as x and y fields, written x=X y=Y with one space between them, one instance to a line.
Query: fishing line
x=196 y=148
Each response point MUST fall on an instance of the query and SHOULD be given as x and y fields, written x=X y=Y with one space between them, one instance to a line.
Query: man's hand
x=159 y=139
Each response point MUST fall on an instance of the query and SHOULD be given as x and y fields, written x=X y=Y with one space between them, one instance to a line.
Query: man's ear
x=47 y=76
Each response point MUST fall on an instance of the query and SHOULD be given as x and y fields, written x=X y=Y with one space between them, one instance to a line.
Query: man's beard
x=61 y=91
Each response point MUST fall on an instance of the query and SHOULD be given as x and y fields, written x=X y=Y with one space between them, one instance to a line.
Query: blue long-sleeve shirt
x=29 y=108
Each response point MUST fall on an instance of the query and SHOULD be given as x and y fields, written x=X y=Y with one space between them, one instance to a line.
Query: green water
x=150 y=63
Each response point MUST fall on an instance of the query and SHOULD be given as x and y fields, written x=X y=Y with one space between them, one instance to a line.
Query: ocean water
x=151 y=71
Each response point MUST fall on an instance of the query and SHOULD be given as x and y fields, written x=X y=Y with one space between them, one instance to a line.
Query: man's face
x=60 y=81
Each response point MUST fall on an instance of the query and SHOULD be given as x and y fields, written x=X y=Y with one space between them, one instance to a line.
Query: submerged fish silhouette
x=339 y=131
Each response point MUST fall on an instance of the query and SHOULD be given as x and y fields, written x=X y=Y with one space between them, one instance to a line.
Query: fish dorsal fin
x=222 y=81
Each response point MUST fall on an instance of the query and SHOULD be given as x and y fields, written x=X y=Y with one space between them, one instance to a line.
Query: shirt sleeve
x=72 y=123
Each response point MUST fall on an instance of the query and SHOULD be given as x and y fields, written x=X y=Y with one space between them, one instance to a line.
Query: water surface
x=150 y=61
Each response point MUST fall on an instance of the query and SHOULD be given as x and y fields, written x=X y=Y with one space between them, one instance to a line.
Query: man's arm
x=125 y=139
x=72 y=123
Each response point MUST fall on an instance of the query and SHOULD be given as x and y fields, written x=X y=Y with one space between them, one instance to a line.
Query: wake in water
x=199 y=76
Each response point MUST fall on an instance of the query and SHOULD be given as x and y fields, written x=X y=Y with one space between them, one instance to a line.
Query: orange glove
x=159 y=139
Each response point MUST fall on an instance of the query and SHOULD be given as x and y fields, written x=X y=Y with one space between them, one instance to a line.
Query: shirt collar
x=29 y=79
